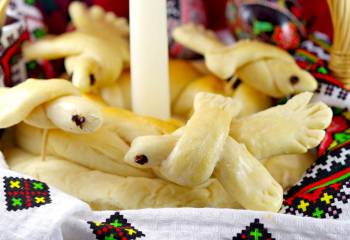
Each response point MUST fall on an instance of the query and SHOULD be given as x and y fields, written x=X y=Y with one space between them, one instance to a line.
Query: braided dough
x=196 y=153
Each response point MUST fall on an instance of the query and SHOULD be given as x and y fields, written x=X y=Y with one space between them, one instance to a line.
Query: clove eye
x=229 y=78
x=79 y=120
x=92 y=79
x=141 y=159
x=237 y=83
x=294 y=79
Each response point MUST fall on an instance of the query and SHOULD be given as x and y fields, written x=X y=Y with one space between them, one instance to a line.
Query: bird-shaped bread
x=49 y=104
x=188 y=157
x=104 y=191
x=95 y=53
x=264 y=67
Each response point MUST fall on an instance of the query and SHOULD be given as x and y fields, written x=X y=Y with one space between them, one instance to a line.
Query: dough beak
x=307 y=83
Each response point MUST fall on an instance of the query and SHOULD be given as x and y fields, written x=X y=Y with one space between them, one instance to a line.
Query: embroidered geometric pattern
x=35 y=26
x=324 y=189
x=313 y=56
x=115 y=227
x=343 y=94
x=338 y=133
x=9 y=64
x=25 y=193
x=255 y=231
x=329 y=90
x=337 y=97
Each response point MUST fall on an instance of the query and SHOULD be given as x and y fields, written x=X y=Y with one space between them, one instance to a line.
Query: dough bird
x=264 y=67
x=95 y=53
x=188 y=157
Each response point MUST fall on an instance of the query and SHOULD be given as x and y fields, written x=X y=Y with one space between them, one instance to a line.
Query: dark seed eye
x=237 y=83
x=78 y=120
x=92 y=79
x=141 y=159
x=294 y=80
x=229 y=79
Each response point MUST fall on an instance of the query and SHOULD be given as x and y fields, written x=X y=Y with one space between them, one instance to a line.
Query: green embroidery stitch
x=342 y=137
x=318 y=213
x=111 y=237
x=116 y=223
x=38 y=186
x=322 y=70
x=24 y=193
x=256 y=234
x=115 y=227
x=16 y=202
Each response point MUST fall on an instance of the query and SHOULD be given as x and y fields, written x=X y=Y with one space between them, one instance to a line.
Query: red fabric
x=119 y=7
x=316 y=12
x=318 y=16
x=216 y=13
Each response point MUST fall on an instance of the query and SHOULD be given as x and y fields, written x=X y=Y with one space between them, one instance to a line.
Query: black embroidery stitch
x=116 y=227
x=255 y=231
x=25 y=193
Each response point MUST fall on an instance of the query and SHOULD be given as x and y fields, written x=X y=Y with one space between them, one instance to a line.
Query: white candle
x=149 y=58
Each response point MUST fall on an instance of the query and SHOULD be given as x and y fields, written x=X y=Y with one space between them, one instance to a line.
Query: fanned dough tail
x=291 y=128
x=197 y=38
x=287 y=170
x=247 y=180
